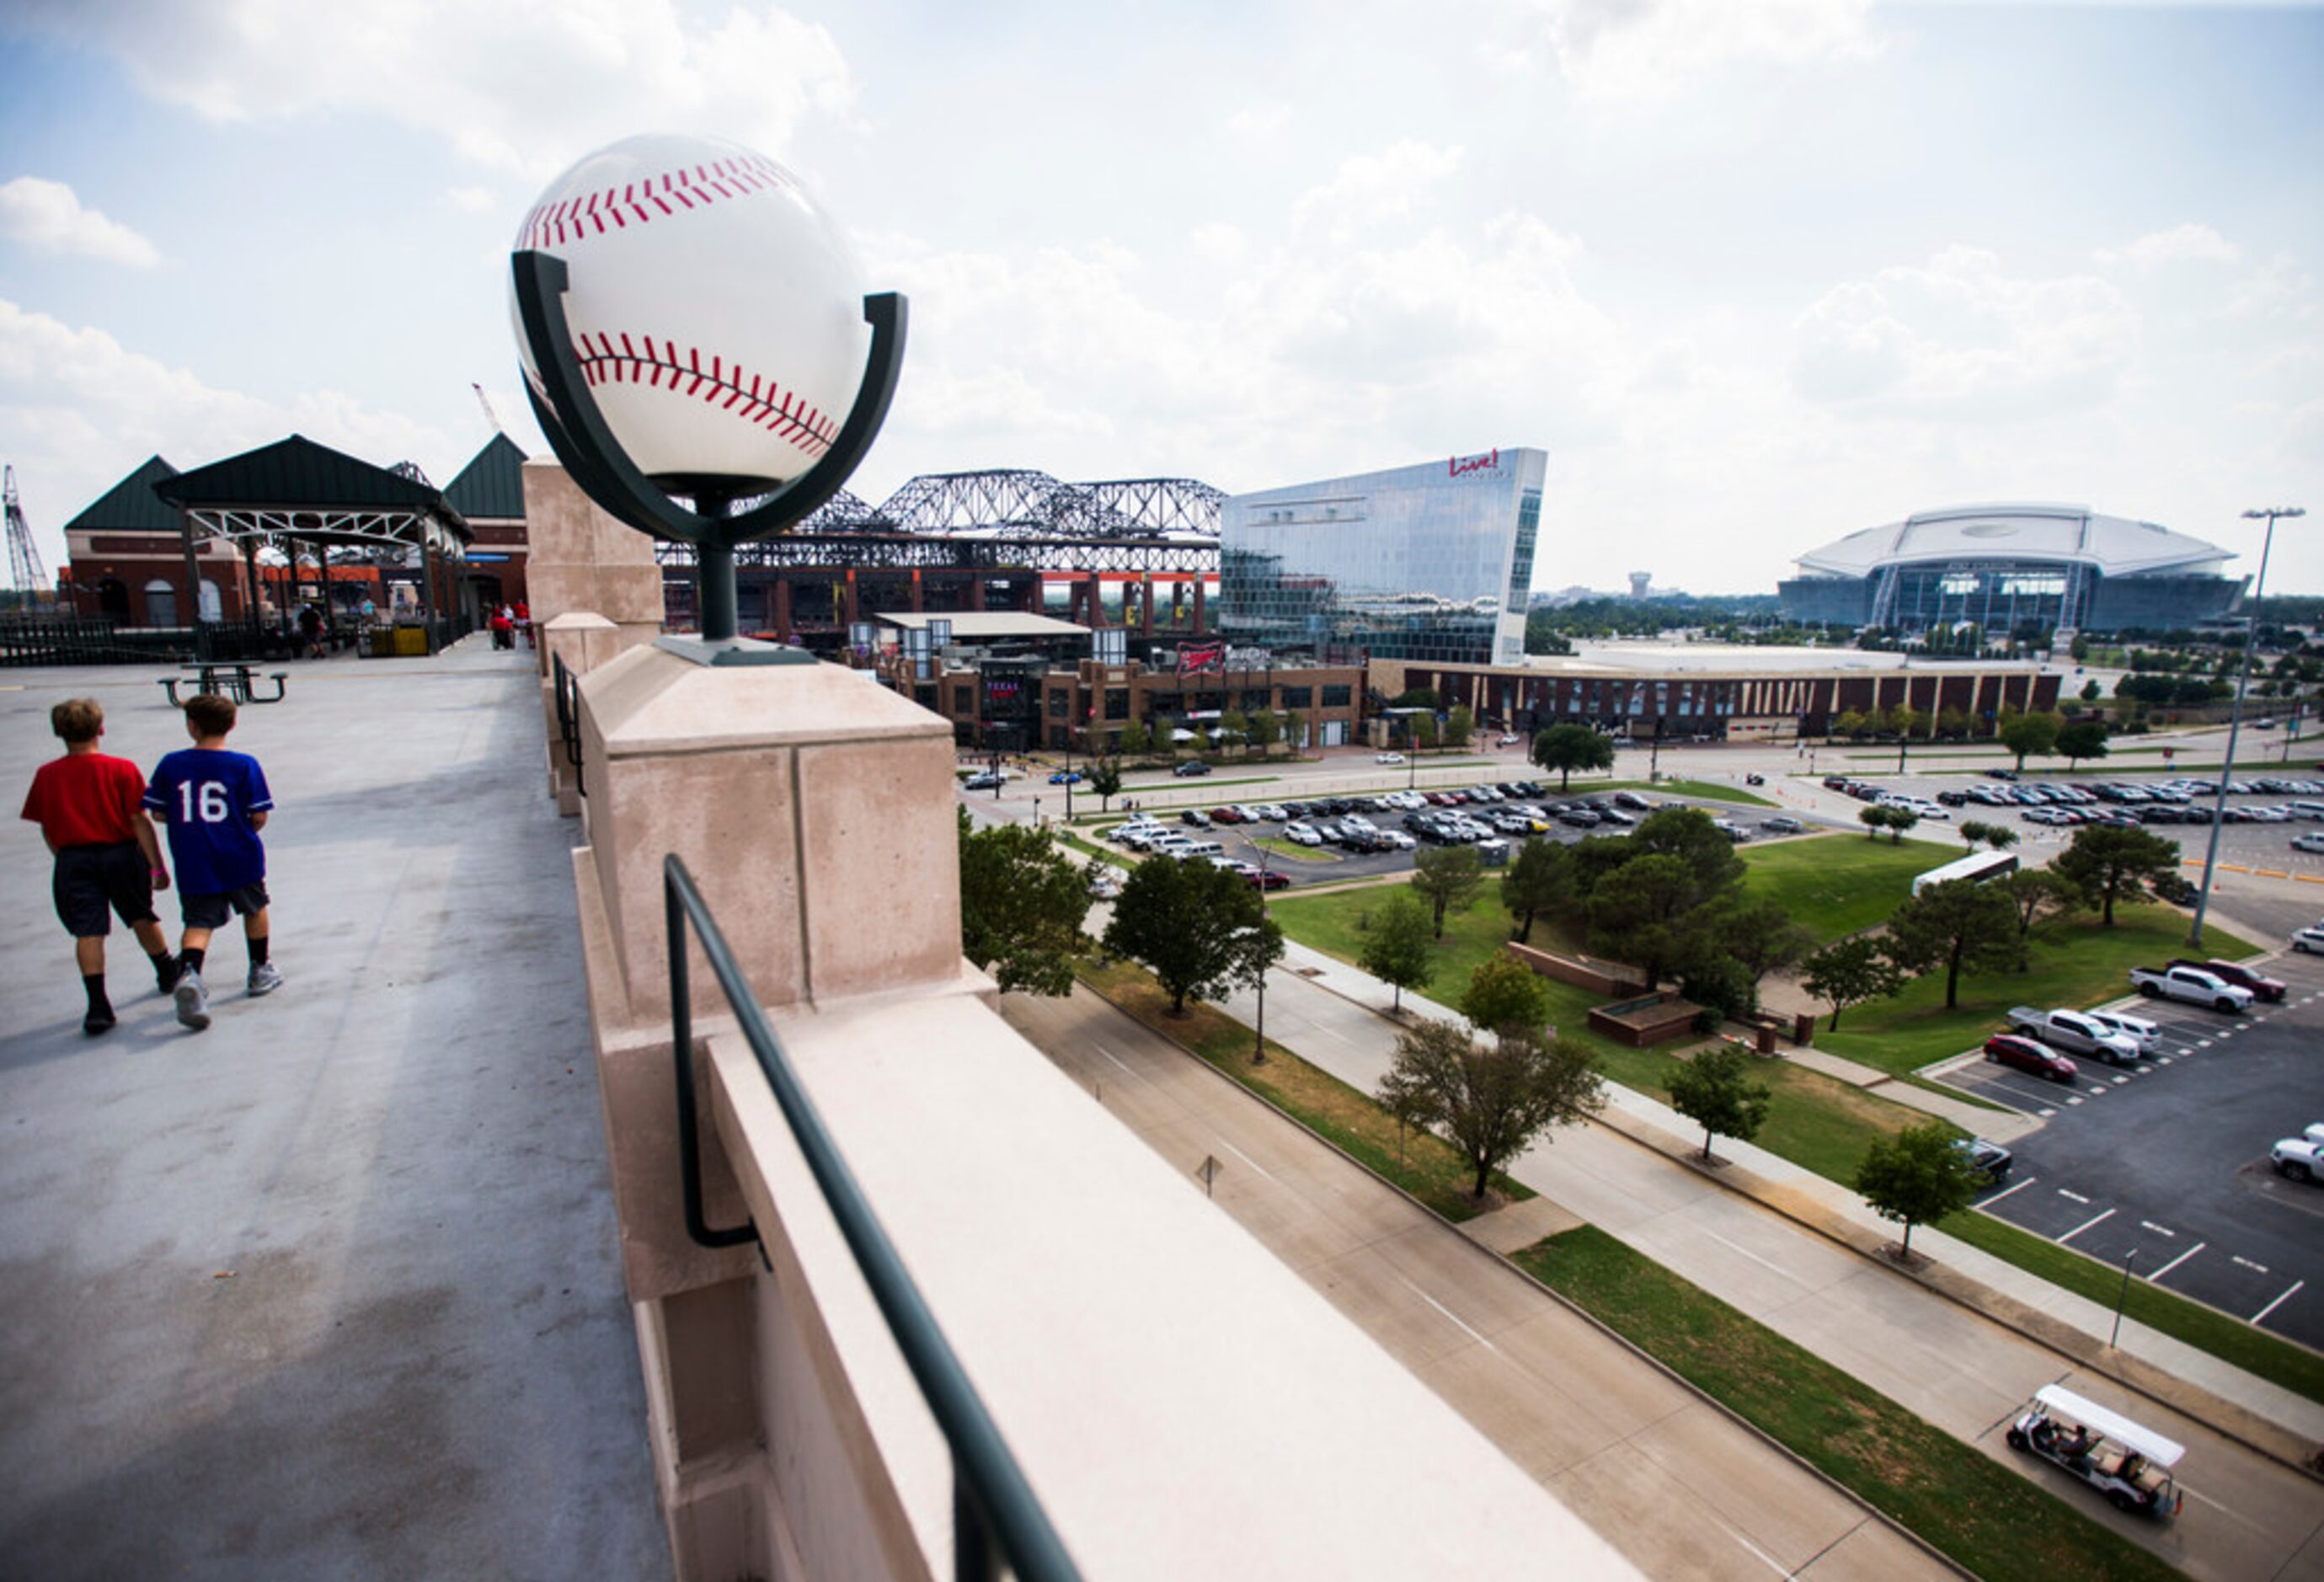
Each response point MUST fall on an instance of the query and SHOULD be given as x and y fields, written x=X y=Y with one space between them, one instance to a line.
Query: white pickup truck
x=2192 y=984
x=2075 y=1033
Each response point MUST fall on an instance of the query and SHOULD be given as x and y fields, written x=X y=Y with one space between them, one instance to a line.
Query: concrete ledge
x=2237 y=1422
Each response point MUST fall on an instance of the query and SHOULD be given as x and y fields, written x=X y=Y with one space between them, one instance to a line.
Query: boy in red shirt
x=88 y=806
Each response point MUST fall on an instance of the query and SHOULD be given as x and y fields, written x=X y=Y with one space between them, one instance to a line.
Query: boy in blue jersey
x=214 y=802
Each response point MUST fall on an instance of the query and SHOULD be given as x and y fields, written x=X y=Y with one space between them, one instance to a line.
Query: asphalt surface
x=2164 y=1164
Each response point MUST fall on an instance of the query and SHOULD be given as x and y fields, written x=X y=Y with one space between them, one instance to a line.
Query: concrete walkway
x=2247 y=1515
x=330 y=1289
x=1681 y=1489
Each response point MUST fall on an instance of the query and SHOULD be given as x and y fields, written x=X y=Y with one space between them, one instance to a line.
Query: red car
x=2025 y=1054
x=2262 y=987
x=1268 y=879
x=1225 y=816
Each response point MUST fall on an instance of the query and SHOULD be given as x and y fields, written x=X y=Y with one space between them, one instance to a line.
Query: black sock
x=93 y=982
x=191 y=960
x=165 y=967
x=258 y=951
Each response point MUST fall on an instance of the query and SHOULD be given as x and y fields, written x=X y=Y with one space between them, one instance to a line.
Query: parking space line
x=2076 y=1196
x=2161 y=1230
x=2278 y=1302
x=2175 y=1262
x=2247 y=1262
x=2094 y=1220
x=2005 y=1191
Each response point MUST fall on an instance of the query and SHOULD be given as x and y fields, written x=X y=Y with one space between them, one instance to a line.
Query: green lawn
x=1995 y=1522
x=1841 y=884
x=1295 y=852
x=2074 y=963
x=1415 y=1160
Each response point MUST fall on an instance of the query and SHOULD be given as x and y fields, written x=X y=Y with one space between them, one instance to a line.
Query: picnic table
x=234 y=679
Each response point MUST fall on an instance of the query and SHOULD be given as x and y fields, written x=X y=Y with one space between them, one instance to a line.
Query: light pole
x=2269 y=514
x=1259 y=1034
x=2121 y=1295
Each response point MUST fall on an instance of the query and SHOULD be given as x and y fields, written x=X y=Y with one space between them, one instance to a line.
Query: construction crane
x=485 y=402
x=24 y=572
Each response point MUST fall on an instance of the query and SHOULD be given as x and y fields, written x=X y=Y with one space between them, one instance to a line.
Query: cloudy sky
x=1755 y=274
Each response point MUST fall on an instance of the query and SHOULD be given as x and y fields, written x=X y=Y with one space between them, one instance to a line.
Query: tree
x=1506 y=998
x=1850 y=972
x=1105 y=779
x=1265 y=730
x=1136 y=741
x=1423 y=730
x=1902 y=720
x=2091 y=690
x=1489 y=1101
x=1459 y=726
x=1715 y=1091
x=1448 y=878
x=1962 y=926
x=1919 y=1175
x=1021 y=906
x=2085 y=738
x=1999 y=836
x=1540 y=879
x=1900 y=819
x=2031 y=734
x=1689 y=835
x=1758 y=935
x=1234 y=730
x=1952 y=723
x=1640 y=913
x=2108 y=865
x=1397 y=948
x=2036 y=893
x=1874 y=820
x=1568 y=747
x=1198 y=928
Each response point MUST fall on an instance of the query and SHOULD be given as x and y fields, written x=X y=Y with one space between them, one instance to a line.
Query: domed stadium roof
x=2116 y=546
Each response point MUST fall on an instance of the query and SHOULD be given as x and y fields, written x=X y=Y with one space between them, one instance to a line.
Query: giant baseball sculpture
x=691 y=323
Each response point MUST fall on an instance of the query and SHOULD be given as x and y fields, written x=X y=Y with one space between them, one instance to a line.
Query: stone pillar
x=783 y=609
x=1145 y=604
x=848 y=609
x=976 y=593
x=814 y=808
x=1199 y=628
x=581 y=558
x=919 y=594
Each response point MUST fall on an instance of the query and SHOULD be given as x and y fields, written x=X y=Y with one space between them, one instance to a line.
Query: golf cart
x=2129 y=1464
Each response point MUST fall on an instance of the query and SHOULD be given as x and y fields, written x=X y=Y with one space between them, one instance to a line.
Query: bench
x=237 y=681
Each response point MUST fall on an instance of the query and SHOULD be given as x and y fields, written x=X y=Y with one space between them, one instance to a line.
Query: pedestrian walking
x=108 y=861
x=215 y=802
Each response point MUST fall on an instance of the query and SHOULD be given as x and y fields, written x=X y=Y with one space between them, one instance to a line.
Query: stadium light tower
x=2269 y=514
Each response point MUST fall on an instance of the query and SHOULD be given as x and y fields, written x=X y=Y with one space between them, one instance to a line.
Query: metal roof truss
x=378 y=528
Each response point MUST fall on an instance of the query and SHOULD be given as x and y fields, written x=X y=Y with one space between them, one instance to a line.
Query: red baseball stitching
x=611 y=357
x=593 y=214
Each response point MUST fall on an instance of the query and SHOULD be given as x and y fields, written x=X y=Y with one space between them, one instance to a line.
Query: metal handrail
x=997 y=1522
x=566 y=689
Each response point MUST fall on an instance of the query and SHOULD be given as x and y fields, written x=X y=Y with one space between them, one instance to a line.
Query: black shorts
x=93 y=882
x=210 y=911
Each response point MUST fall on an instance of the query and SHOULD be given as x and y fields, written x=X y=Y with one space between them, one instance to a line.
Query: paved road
x=2246 y=1516
x=1678 y=1485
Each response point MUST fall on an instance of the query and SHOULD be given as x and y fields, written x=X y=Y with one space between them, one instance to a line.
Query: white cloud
x=1372 y=188
x=1259 y=123
x=1961 y=338
x=48 y=216
x=2182 y=244
x=471 y=200
x=526 y=86
x=85 y=409
x=1652 y=50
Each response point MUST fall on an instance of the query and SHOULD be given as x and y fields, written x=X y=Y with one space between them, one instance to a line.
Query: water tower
x=1640 y=581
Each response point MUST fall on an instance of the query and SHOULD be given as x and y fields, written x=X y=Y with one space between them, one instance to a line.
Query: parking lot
x=2165 y=1163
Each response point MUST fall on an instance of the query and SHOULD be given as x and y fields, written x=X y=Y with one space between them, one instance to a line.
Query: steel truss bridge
x=1002 y=521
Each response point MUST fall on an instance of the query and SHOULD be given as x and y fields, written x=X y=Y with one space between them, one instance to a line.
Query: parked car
x=982 y=780
x=2262 y=987
x=2300 y=1158
x=1196 y=818
x=2075 y=1033
x=2146 y=1034
x=2312 y=841
x=2029 y=1054
x=1104 y=881
x=1192 y=767
x=1299 y=834
x=1991 y=1158
x=2192 y=984
x=2309 y=941
x=1388 y=757
x=1268 y=879
x=2001 y=774
x=1633 y=802
x=1784 y=824
x=1066 y=777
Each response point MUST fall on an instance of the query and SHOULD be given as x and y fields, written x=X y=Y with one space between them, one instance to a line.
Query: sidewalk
x=1957 y=1368
x=331 y=1288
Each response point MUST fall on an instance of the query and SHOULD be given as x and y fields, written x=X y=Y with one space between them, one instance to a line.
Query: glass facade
x=2002 y=596
x=1427 y=562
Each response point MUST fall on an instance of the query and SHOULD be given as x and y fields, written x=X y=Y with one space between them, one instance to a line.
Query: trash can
x=1804 y=1028
x=412 y=642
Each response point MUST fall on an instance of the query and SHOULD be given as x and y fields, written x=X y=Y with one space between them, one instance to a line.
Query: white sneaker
x=193 y=1001
x=265 y=978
